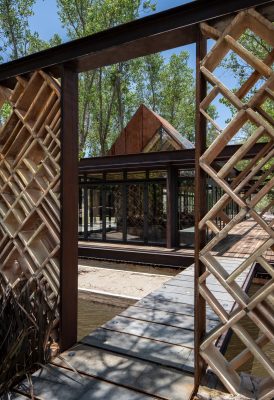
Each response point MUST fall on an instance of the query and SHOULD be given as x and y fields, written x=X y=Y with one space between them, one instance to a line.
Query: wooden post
x=69 y=208
x=200 y=207
x=172 y=207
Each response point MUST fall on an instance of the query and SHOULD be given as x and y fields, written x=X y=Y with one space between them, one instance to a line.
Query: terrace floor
x=147 y=351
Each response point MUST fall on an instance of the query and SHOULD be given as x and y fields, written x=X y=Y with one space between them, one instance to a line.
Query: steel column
x=200 y=207
x=69 y=208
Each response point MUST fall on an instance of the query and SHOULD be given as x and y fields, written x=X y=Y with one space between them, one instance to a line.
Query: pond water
x=91 y=315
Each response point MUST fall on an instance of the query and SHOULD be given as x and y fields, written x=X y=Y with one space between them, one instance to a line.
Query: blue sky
x=46 y=22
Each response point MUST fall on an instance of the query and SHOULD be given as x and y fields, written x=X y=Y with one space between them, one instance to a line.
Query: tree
x=17 y=40
x=241 y=72
x=178 y=94
x=14 y=27
x=104 y=91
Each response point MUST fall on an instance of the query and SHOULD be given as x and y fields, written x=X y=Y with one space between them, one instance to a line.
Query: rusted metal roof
x=141 y=129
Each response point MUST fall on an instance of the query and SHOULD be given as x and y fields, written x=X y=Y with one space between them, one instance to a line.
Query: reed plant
x=27 y=318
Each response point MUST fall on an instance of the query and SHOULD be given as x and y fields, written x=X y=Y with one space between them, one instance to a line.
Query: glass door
x=114 y=212
x=135 y=212
x=81 y=226
x=157 y=213
x=95 y=213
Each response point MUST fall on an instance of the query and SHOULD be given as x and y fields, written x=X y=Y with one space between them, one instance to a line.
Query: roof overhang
x=158 y=160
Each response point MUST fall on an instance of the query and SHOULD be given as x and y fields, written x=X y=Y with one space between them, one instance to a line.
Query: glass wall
x=124 y=207
x=186 y=208
x=131 y=207
x=114 y=212
x=95 y=212
x=157 y=212
x=135 y=212
x=81 y=226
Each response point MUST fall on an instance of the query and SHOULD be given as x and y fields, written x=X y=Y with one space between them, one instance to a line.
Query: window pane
x=81 y=213
x=95 y=222
x=157 y=213
x=135 y=212
x=94 y=177
x=114 y=212
x=114 y=176
x=186 y=213
x=157 y=174
x=136 y=175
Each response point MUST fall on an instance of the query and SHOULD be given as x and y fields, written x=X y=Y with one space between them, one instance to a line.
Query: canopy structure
x=29 y=84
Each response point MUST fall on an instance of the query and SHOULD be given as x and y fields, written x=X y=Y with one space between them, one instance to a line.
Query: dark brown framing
x=69 y=202
x=158 y=160
x=169 y=29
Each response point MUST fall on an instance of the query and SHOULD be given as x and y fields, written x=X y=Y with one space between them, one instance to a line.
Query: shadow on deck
x=148 y=350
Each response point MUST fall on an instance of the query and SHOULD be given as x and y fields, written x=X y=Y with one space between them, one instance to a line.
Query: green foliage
x=109 y=96
x=14 y=27
x=5 y=112
x=236 y=65
x=241 y=71
x=16 y=38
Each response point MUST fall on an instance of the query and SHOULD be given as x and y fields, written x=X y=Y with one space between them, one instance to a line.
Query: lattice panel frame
x=30 y=153
x=252 y=184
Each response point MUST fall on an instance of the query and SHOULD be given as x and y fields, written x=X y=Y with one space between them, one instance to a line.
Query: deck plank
x=154 y=351
x=163 y=333
x=145 y=352
x=159 y=303
x=55 y=383
x=127 y=371
x=163 y=317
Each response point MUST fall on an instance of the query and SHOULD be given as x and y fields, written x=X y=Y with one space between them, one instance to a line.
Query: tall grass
x=27 y=318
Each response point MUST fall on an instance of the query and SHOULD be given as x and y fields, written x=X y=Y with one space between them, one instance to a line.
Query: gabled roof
x=141 y=129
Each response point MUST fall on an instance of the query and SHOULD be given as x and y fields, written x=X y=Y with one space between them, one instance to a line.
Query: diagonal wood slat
x=30 y=184
x=254 y=183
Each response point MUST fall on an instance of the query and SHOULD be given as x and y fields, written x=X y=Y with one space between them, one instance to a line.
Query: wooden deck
x=242 y=241
x=145 y=352
x=160 y=256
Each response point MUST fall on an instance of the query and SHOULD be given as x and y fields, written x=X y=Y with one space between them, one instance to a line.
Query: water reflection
x=92 y=315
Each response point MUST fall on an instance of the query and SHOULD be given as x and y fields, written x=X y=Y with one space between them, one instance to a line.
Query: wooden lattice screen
x=30 y=184
x=254 y=183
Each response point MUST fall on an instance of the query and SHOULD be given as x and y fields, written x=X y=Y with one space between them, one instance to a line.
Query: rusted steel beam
x=180 y=158
x=69 y=209
x=168 y=29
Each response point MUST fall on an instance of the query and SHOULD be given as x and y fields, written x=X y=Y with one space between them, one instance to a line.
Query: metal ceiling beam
x=180 y=158
x=130 y=40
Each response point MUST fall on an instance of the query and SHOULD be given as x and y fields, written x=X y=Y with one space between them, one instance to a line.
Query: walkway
x=146 y=352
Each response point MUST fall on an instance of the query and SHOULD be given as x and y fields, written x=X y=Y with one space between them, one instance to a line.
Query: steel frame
x=165 y=30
